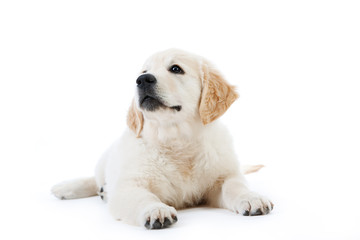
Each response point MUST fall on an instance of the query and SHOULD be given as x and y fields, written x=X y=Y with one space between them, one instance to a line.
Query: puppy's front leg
x=139 y=206
x=236 y=197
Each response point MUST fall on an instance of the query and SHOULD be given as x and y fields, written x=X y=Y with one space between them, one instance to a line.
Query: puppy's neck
x=165 y=133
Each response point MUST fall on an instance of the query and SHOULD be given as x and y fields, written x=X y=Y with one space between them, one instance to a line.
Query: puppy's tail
x=77 y=188
x=246 y=169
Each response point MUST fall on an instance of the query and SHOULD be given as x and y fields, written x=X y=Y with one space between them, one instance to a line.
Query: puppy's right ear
x=135 y=119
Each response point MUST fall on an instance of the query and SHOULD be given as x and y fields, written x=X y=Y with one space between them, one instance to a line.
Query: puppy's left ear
x=135 y=119
x=217 y=94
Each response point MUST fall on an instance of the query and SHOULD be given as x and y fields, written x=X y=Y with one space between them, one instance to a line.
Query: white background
x=68 y=71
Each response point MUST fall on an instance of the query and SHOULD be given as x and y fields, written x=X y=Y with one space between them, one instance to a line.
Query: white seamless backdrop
x=67 y=77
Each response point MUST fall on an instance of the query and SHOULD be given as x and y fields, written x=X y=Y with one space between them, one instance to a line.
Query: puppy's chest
x=183 y=175
x=181 y=161
x=188 y=169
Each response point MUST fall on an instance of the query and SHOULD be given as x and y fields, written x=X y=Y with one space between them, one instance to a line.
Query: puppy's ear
x=217 y=95
x=135 y=119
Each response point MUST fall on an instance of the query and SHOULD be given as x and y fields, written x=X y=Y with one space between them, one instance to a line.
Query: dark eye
x=176 y=69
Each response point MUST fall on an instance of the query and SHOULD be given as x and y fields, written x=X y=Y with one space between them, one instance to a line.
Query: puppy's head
x=175 y=86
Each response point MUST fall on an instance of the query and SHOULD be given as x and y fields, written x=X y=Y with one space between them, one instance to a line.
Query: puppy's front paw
x=252 y=204
x=159 y=216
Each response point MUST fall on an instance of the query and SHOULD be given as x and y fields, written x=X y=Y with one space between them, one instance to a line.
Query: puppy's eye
x=176 y=69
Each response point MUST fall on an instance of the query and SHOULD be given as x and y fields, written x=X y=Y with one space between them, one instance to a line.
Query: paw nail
x=167 y=222
x=147 y=224
x=257 y=213
x=174 y=218
x=157 y=224
x=246 y=213
x=266 y=210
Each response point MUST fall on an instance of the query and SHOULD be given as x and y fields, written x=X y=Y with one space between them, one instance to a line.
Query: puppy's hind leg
x=77 y=188
x=100 y=176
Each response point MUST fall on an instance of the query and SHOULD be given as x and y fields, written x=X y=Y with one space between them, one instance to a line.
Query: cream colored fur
x=169 y=159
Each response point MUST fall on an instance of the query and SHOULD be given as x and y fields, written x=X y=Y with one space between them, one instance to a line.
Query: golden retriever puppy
x=175 y=154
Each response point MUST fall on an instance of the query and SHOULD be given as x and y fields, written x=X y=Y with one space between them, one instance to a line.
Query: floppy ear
x=135 y=119
x=217 y=95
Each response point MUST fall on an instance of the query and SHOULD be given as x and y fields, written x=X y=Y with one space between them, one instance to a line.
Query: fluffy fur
x=172 y=159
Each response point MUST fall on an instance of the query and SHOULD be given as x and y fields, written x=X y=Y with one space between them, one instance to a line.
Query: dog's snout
x=146 y=80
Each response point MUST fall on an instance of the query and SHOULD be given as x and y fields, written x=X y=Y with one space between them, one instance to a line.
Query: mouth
x=147 y=99
x=177 y=108
x=151 y=103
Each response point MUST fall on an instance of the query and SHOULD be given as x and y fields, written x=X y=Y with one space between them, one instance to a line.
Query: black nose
x=146 y=80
